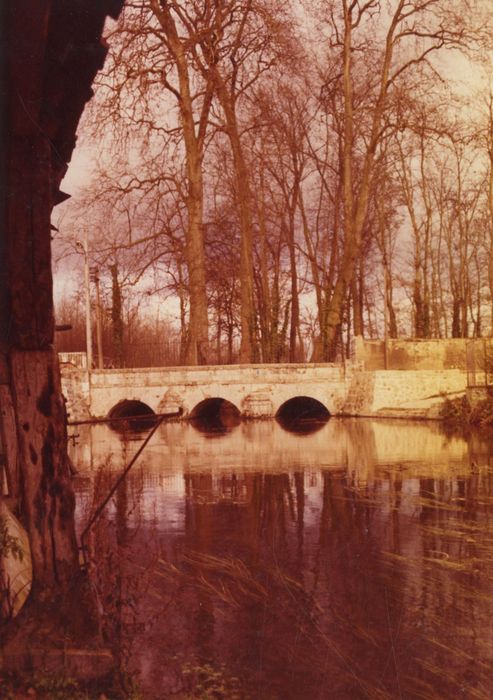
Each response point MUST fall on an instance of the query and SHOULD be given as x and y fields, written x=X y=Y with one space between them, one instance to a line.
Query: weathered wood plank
x=8 y=435
x=29 y=207
x=28 y=23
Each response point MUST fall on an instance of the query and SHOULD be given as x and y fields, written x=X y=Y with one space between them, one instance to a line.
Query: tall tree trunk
x=356 y=202
x=243 y=202
x=194 y=130
x=313 y=262
x=183 y=316
x=265 y=305
x=421 y=315
x=32 y=372
x=295 y=302
x=351 y=234
x=198 y=337
x=392 y=319
x=456 y=322
x=357 y=292
x=490 y=202
x=198 y=340
x=117 y=318
x=243 y=198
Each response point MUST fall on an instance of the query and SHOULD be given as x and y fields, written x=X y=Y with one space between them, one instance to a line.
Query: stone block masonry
x=403 y=394
x=258 y=391
x=475 y=354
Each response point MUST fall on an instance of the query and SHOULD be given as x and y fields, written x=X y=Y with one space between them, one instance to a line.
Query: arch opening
x=215 y=416
x=302 y=414
x=131 y=415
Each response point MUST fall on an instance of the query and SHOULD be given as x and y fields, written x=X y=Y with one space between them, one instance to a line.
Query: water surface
x=355 y=561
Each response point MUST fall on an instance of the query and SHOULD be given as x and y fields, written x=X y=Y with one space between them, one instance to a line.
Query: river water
x=353 y=561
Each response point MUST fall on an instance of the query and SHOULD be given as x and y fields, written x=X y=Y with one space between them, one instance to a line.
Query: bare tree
x=153 y=63
x=403 y=40
x=246 y=41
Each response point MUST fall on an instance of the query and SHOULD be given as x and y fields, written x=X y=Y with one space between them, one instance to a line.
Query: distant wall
x=426 y=354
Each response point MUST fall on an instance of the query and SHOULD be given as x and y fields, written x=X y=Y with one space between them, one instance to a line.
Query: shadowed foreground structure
x=52 y=51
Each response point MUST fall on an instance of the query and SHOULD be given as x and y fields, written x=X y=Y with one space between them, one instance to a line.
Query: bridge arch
x=215 y=414
x=302 y=413
x=131 y=413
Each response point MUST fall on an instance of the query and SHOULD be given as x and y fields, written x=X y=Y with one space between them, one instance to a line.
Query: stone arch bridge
x=259 y=391
x=256 y=391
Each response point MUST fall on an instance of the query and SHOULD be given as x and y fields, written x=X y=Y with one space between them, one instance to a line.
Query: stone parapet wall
x=424 y=354
x=225 y=374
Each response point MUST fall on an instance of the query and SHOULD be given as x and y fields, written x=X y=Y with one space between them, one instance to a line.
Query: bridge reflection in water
x=353 y=562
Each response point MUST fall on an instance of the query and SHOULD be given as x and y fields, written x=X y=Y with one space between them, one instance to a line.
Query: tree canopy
x=295 y=175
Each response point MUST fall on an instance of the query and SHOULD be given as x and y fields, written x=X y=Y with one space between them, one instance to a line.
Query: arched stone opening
x=302 y=414
x=131 y=414
x=215 y=416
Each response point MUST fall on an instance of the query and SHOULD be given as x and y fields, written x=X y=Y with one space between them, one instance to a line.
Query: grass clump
x=482 y=413
x=460 y=412
x=206 y=682
x=41 y=686
x=47 y=686
x=455 y=410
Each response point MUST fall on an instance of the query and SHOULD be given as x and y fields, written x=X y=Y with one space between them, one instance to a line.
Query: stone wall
x=396 y=394
x=425 y=354
x=75 y=388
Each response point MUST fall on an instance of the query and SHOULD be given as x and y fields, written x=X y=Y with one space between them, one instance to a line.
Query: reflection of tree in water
x=356 y=592
x=119 y=575
x=249 y=563
x=356 y=609
x=374 y=588
x=295 y=632
x=454 y=588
